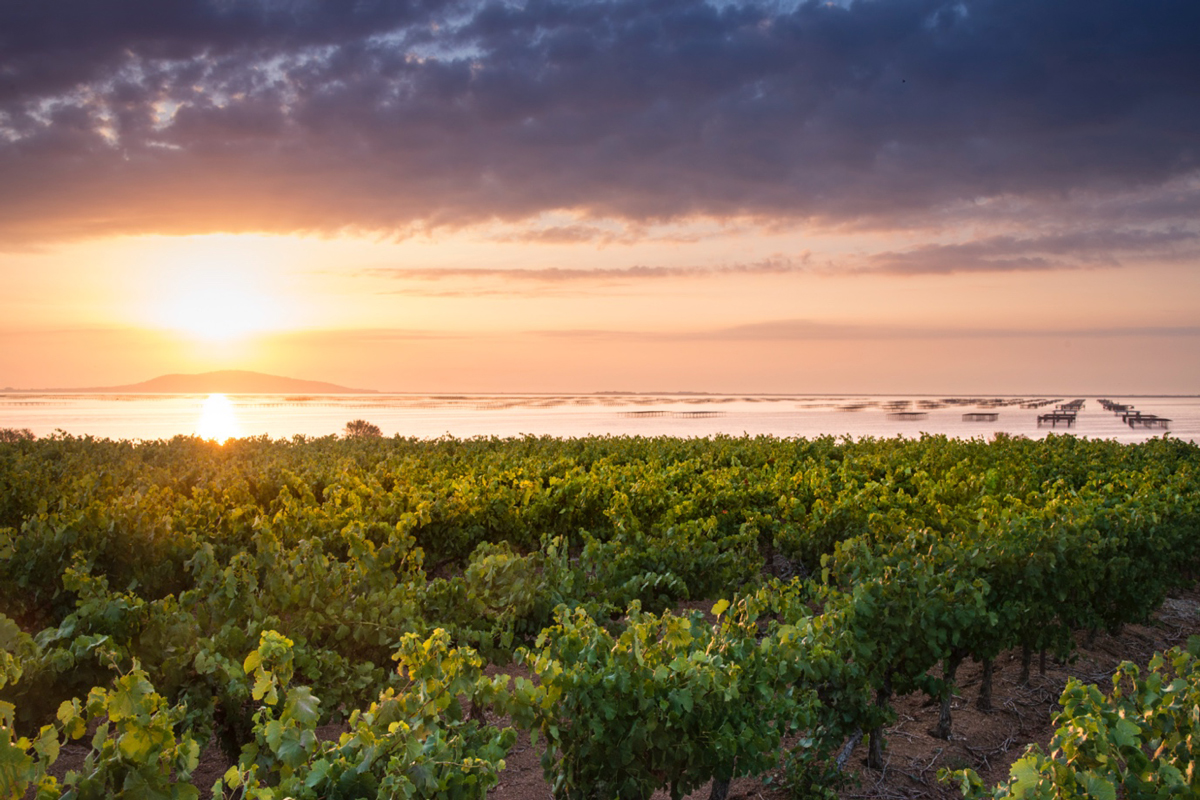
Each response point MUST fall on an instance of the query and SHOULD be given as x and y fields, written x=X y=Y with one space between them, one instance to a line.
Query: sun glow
x=219 y=308
x=218 y=288
x=218 y=421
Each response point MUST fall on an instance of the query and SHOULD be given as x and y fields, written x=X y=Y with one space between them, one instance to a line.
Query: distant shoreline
x=220 y=382
x=341 y=390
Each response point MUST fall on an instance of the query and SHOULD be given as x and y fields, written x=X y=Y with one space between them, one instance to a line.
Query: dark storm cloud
x=183 y=115
x=49 y=48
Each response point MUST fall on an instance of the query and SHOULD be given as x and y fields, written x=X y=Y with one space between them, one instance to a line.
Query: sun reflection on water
x=217 y=419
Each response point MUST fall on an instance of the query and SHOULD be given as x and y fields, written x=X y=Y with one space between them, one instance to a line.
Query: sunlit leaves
x=408 y=741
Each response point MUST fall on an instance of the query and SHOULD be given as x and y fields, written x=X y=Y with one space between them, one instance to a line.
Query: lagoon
x=162 y=416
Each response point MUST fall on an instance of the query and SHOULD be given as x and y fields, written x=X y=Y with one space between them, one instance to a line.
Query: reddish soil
x=987 y=742
x=1022 y=715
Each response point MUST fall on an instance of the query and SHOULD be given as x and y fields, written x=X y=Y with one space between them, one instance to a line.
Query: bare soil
x=1022 y=714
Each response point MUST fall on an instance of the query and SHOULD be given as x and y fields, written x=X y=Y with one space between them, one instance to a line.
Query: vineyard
x=158 y=598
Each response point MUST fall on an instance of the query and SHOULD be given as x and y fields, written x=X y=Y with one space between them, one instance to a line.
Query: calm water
x=463 y=416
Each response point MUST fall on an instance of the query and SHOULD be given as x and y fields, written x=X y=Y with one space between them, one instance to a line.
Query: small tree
x=361 y=429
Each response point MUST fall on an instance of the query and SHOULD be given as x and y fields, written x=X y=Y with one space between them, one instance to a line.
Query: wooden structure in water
x=1134 y=418
x=1063 y=413
x=674 y=414
x=1055 y=417
x=907 y=415
x=981 y=416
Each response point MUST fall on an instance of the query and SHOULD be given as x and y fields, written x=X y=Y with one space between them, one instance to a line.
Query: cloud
x=559 y=275
x=200 y=115
x=567 y=234
x=1076 y=249
x=1073 y=246
x=811 y=330
x=346 y=337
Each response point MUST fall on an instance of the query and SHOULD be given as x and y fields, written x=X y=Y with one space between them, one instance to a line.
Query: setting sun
x=217 y=313
x=427 y=198
x=216 y=288
x=218 y=421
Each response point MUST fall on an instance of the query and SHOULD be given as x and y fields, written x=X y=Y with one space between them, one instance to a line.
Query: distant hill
x=230 y=381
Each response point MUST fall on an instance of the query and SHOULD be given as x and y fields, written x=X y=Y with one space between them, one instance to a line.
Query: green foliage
x=180 y=556
x=12 y=435
x=411 y=743
x=16 y=648
x=1142 y=741
x=669 y=702
x=810 y=774
x=22 y=762
x=503 y=583
x=135 y=752
x=907 y=605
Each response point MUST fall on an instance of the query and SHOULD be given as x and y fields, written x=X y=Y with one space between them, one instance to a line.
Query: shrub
x=361 y=429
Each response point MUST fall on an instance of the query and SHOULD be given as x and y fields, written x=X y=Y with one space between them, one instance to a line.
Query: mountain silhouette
x=230 y=381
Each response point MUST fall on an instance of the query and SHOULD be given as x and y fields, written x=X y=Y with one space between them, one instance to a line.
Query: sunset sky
x=992 y=196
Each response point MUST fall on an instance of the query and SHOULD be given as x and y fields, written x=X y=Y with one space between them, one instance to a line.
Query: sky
x=908 y=196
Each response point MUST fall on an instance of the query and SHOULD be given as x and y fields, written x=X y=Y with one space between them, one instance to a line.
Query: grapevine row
x=164 y=564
